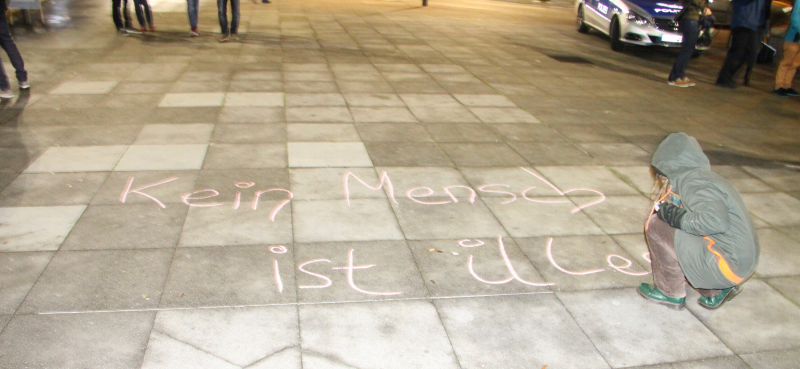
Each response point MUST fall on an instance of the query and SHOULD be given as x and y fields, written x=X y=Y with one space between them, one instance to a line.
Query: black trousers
x=743 y=50
x=116 y=13
x=7 y=43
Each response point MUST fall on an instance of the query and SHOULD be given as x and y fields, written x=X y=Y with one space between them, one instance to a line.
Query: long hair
x=660 y=186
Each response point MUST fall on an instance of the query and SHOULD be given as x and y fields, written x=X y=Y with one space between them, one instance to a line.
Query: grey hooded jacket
x=714 y=210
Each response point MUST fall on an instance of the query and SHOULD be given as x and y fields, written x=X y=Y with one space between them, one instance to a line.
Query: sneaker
x=6 y=94
x=143 y=29
x=687 y=82
x=122 y=32
x=24 y=85
x=132 y=30
x=780 y=92
x=194 y=32
x=715 y=302
x=225 y=38
x=792 y=92
x=652 y=293
x=234 y=37
x=678 y=83
x=151 y=28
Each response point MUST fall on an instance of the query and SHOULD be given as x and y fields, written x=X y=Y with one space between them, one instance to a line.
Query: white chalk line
x=289 y=304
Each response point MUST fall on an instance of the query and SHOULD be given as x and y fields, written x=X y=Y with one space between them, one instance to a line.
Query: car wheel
x=582 y=27
x=616 y=42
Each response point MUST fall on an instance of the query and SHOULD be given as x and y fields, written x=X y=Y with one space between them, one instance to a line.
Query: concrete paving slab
x=380 y=270
x=77 y=159
x=612 y=320
x=787 y=286
x=776 y=253
x=245 y=156
x=238 y=336
x=617 y=214
x=397 y=334
x=37 y=228
x=424 y=218
x=188 y=99
x=479 y=268
x=52 y=189
x=327 y=154
x=575 y=263
x=127 y=227
x=334 y=220
x=733 y=362
x=757 y=312
x=223 y=223
x=254 y=99
x=528 y=331
x=166 y=134
x=100 y=280
x=773 y=359
x=145 y=187
x=777 y=209
x=554 y=217
x=230 y=276
x=248 y=133
x=162 y=157
x=81 y=88
x=21 y=272
x=39 y=340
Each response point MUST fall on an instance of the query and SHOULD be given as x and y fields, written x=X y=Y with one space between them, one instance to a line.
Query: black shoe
x=726 y=84
x=781 y=92
x=791 y=92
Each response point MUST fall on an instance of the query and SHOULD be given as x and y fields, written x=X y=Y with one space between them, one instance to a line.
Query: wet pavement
x=371 y=184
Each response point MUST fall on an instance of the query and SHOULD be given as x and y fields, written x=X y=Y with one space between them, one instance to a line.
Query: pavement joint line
x=290 y=304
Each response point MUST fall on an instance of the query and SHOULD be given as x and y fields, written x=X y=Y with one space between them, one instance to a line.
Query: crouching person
x=699 y=230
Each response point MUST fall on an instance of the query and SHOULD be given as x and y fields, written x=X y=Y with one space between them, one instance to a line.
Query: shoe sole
x=731 y=294
x=677 y=85
x=676 y=307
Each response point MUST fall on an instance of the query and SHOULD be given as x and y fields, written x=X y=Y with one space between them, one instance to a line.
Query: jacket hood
x=678 y=155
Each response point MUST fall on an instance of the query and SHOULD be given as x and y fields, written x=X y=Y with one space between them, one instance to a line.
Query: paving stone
x=127 y=227
x=385 y=270
x=39 y=340
x=77 y=159
x=328 y=154
x=389 y=334
x=334 y=220
x=230 y=276
x=52 y=189
x=162 y=157
x=21 y=271
x=220 y=223
x=37 y=228
x=100 y=280
x=229 y=156
x=611 y=319
x=557 y=341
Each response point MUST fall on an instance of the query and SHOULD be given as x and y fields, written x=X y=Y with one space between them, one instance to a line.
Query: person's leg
x=667 y=273
x=116 y=15
x=737 y=55
x=148 y=13
x=235 y=17
x=753 y=56
x=690 y=30
x=137 y=6
x=192 y=7
x=793 y=64
x=5 y=36
x=10 y=47
x=785 y=74
x=128 y=22
x=222 y=11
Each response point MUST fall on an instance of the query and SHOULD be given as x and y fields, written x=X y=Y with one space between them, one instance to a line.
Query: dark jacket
x=717 y=232
x=694 y=8
x=751 y=14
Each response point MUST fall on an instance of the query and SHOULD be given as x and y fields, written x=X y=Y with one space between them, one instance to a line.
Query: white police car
x=637 y=22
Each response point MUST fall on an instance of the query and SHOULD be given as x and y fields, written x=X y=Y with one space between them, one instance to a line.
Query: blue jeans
x=690 y=28
x=222 y=9
x=13 y=55
x=193 y=7
x=143 y=12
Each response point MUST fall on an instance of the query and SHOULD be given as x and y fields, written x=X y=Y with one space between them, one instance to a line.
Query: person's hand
x=670 y=214
x=707 y=11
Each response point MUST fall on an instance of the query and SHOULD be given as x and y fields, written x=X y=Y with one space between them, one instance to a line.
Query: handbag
x=766 y=54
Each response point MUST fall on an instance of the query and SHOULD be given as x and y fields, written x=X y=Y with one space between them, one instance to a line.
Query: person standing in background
x=748 y=20
x=222 y=10
x=791 y=56
x=193 y=8
x=689 y=22
x=7 y=43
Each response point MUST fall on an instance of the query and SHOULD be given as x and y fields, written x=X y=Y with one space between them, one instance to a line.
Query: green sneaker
x=652 y=293
x=715 y=302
